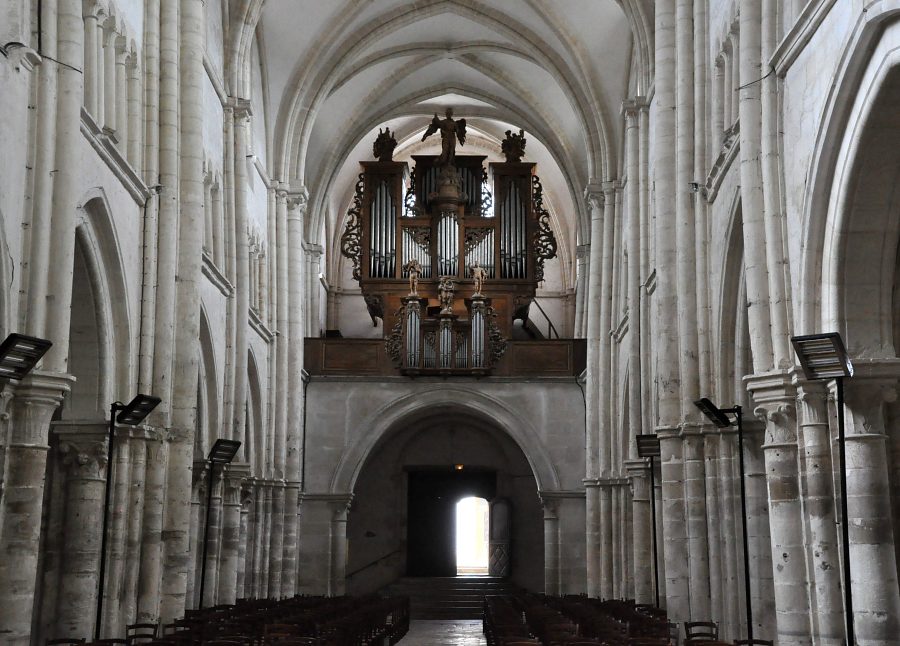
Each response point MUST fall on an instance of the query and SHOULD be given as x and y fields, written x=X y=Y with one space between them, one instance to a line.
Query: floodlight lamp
x=20 y=353
x=223 y=451
x=715 y=414
x=822 y=356
x=648 y=446
x=135 y=411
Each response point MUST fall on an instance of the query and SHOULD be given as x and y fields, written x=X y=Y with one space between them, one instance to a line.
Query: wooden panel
x=365 y=357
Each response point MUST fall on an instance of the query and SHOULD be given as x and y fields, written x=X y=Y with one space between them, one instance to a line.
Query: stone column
x=550 y=506
x=753 y=216
x=819 y=510
x=109 y=78
x=210 y=533
x=151 y=534
x=695 y=509
x=774 y=397
x=229 y=557
x=35 y=399
x=762 y=587
x=117 y=555
x=316 y=557
x=83 y=453
x=292 y=294
x=91 y=30
x=593 y=332
x=276 y=539
x=718 y=587
x=313 y=288
x=642 y=540
x=135 y=512
x=873 y=563
x=340 y=510
x=675 y=536
x=582 y=255
x=244 y=543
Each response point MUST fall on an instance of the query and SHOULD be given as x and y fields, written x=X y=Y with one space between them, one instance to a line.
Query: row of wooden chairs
x=572 y=620
x=299 y=621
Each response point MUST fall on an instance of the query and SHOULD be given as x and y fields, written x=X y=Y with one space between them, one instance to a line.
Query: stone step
x=448 y=597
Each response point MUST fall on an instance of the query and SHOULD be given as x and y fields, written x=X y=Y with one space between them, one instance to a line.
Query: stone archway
x=857 y=284
x=404 y=501
x=348 y=422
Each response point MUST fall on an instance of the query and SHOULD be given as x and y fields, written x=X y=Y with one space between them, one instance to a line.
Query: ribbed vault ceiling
x=339 y=70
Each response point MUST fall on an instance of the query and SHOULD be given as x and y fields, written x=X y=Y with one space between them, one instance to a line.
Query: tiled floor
x=457 y=632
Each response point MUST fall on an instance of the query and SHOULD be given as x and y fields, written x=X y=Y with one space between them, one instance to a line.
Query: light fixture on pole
x=19 y=354
x=719 y=417
x=131 y=414
x=823 y=357
x=222 y=452
x=648 y=447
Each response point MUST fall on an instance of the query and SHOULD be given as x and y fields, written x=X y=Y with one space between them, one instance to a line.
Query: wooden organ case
x=448 y=218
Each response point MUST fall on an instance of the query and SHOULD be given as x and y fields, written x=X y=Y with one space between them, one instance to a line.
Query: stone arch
x=732 y=320
x=254 y=432
x=869 y=56
x=99 y=275
x=384 y=421
x=6 y=283
x=207 y=390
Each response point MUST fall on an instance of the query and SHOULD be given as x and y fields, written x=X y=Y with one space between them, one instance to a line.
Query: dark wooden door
x=431 y=516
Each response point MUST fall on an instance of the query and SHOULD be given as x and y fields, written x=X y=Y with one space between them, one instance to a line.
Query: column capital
x=297 y=202
x=240 y=107
x=593 y=194
x=775 y=403
x=84 y=455
x=34 y=400
x=633 y=106
x=314 y=251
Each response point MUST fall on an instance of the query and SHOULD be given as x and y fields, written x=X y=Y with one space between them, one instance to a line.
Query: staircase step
x=448 y=597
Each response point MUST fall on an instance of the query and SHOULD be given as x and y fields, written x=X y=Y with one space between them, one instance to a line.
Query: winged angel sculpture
x=451 y=129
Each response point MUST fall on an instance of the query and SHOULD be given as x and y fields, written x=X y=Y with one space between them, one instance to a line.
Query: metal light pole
x=131 y=414
x=823 y=357
x=719 y=417
x=222 y=452
x=648 y=447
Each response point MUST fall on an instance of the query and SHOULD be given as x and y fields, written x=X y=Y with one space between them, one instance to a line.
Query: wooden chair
x=753 y=642
x=141 y=633
x=700 y=630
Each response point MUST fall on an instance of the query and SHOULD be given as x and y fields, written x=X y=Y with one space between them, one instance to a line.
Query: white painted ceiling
x=337 y=70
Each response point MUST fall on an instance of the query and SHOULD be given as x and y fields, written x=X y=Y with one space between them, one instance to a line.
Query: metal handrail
x=551 y=329
x=375 y=562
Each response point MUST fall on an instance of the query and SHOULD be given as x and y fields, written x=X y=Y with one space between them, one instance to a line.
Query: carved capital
x=34 y=401
x=297 y=202
x=84 y=457
x=593 y=194
x=240 y=108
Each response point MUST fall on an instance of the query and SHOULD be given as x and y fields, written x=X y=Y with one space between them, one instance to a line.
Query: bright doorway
x=472 y=536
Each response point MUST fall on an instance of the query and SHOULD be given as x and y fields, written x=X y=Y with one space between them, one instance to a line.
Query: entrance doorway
x=432 y=520
x=472 y=536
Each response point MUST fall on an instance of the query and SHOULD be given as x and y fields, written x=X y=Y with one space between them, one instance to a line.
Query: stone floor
x=449 y=632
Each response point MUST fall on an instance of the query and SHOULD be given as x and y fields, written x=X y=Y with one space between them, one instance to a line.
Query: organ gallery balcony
x=448 y=255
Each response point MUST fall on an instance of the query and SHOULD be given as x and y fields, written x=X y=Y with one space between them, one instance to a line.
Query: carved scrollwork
x=475 y=235
x=487 y=200
x=420 y=235
x=545 y=246
x=393 y=344
x=498 y=343
x=351 y=240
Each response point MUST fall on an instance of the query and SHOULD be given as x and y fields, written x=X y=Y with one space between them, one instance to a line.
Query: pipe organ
x=448 y=218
